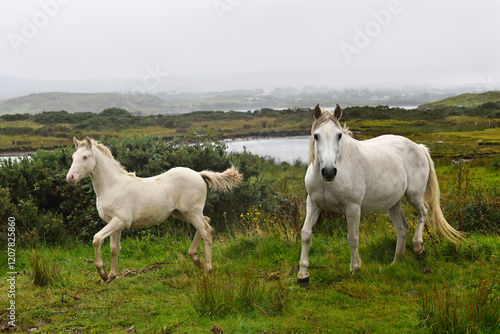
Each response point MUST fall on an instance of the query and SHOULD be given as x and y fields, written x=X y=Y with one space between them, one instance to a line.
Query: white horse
x=125 y=200
x=357 y=177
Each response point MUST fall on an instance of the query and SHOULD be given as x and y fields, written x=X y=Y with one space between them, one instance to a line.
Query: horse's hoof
x=422 y=254
x=110 y=279
x=303 y=282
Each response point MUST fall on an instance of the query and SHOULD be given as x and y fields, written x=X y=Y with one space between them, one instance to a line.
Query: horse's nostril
x=328 y=174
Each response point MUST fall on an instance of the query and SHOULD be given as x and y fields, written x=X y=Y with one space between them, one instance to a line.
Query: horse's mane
x=326 y=115
x=107 y=152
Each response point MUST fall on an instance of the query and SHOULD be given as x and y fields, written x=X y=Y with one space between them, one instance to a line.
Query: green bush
x=49 y=210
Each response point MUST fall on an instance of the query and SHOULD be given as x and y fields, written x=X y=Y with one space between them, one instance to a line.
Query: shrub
x=49 y=210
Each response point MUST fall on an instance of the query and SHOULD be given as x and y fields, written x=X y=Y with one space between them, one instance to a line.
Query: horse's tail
x=431 y=197
x=224 y=181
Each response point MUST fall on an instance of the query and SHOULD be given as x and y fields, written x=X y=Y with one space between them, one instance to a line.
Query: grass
x=252 y=289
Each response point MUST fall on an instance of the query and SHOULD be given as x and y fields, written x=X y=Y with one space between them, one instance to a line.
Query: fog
x=251 y=44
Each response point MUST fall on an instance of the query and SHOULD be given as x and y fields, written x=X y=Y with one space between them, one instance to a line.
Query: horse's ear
x=89 y=142
x=337 y=112
x=317 y=111
x=77 y=143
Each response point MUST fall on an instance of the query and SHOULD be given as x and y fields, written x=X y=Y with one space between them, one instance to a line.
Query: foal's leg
x=115 y=250
x=401 y=226
x=114 y=226
x=193 y=250
x=312 y=214
x=353 y=215
x=203 y=231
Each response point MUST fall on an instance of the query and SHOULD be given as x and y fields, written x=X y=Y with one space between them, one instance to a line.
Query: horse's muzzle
x=71 y=178
x=328 y=174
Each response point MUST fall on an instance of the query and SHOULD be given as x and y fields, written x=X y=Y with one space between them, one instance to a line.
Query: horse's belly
x=383 y=199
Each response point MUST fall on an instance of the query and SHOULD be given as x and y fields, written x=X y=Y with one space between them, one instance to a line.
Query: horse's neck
x=348 y=150
x=105 y=174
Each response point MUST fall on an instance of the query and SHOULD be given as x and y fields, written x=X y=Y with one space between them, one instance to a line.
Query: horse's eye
x=85 y=157
x=316 y=136
x=339 y=136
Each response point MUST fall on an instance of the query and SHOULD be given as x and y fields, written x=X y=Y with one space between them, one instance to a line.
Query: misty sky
x=351 y=42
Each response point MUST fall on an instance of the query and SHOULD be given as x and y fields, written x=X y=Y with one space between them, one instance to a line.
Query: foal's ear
x=77 y=143
x=89 y=142
x=317 y=111
x=337 y=112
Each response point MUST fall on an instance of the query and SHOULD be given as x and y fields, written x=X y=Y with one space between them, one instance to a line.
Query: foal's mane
x=326 y=115
x=107 y=152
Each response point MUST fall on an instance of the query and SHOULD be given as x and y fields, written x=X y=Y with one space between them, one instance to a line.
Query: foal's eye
x=85 y=157
x=339 y=136
x=316 y=136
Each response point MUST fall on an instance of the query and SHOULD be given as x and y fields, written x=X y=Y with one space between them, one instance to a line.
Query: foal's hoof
x=110 y=279
x=303 y=282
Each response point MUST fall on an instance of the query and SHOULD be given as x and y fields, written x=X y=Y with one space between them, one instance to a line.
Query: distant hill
x=466 y=100
x=82 y=102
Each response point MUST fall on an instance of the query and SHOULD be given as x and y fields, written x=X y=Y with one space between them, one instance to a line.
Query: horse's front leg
x=114 y=226
x=312 y=214
x=114 y=246
x=353 y=215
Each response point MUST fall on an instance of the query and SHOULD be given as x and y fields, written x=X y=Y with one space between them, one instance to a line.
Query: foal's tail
x=224 y=181
x=431 y=197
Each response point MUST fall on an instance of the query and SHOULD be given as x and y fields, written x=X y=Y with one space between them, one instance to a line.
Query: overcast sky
x=353 y=42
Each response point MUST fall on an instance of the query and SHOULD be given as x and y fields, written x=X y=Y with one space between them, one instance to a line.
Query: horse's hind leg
x=401 y=226
x=203 y=231
x=193 y=250
x=418 y=241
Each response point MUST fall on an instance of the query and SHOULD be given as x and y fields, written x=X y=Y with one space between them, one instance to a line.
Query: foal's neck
x=105 y=173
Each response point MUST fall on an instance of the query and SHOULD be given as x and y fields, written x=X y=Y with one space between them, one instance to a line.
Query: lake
x=283 y=149
x=286 y=149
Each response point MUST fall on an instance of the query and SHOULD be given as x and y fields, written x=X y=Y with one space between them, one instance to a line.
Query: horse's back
x=398 y=165
x=184 y=186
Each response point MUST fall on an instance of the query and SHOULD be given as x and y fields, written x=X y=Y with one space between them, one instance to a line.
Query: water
x=286 y=149
x=13 y=157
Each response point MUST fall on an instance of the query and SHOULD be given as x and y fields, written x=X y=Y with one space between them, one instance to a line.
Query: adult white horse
x=125 y=200
x=356 y=177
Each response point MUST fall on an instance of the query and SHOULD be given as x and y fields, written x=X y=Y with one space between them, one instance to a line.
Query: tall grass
x=468 y=309
x=219 y=295
x=44 y=269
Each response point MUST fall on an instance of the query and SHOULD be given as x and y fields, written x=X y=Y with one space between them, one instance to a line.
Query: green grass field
x=252 y=289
